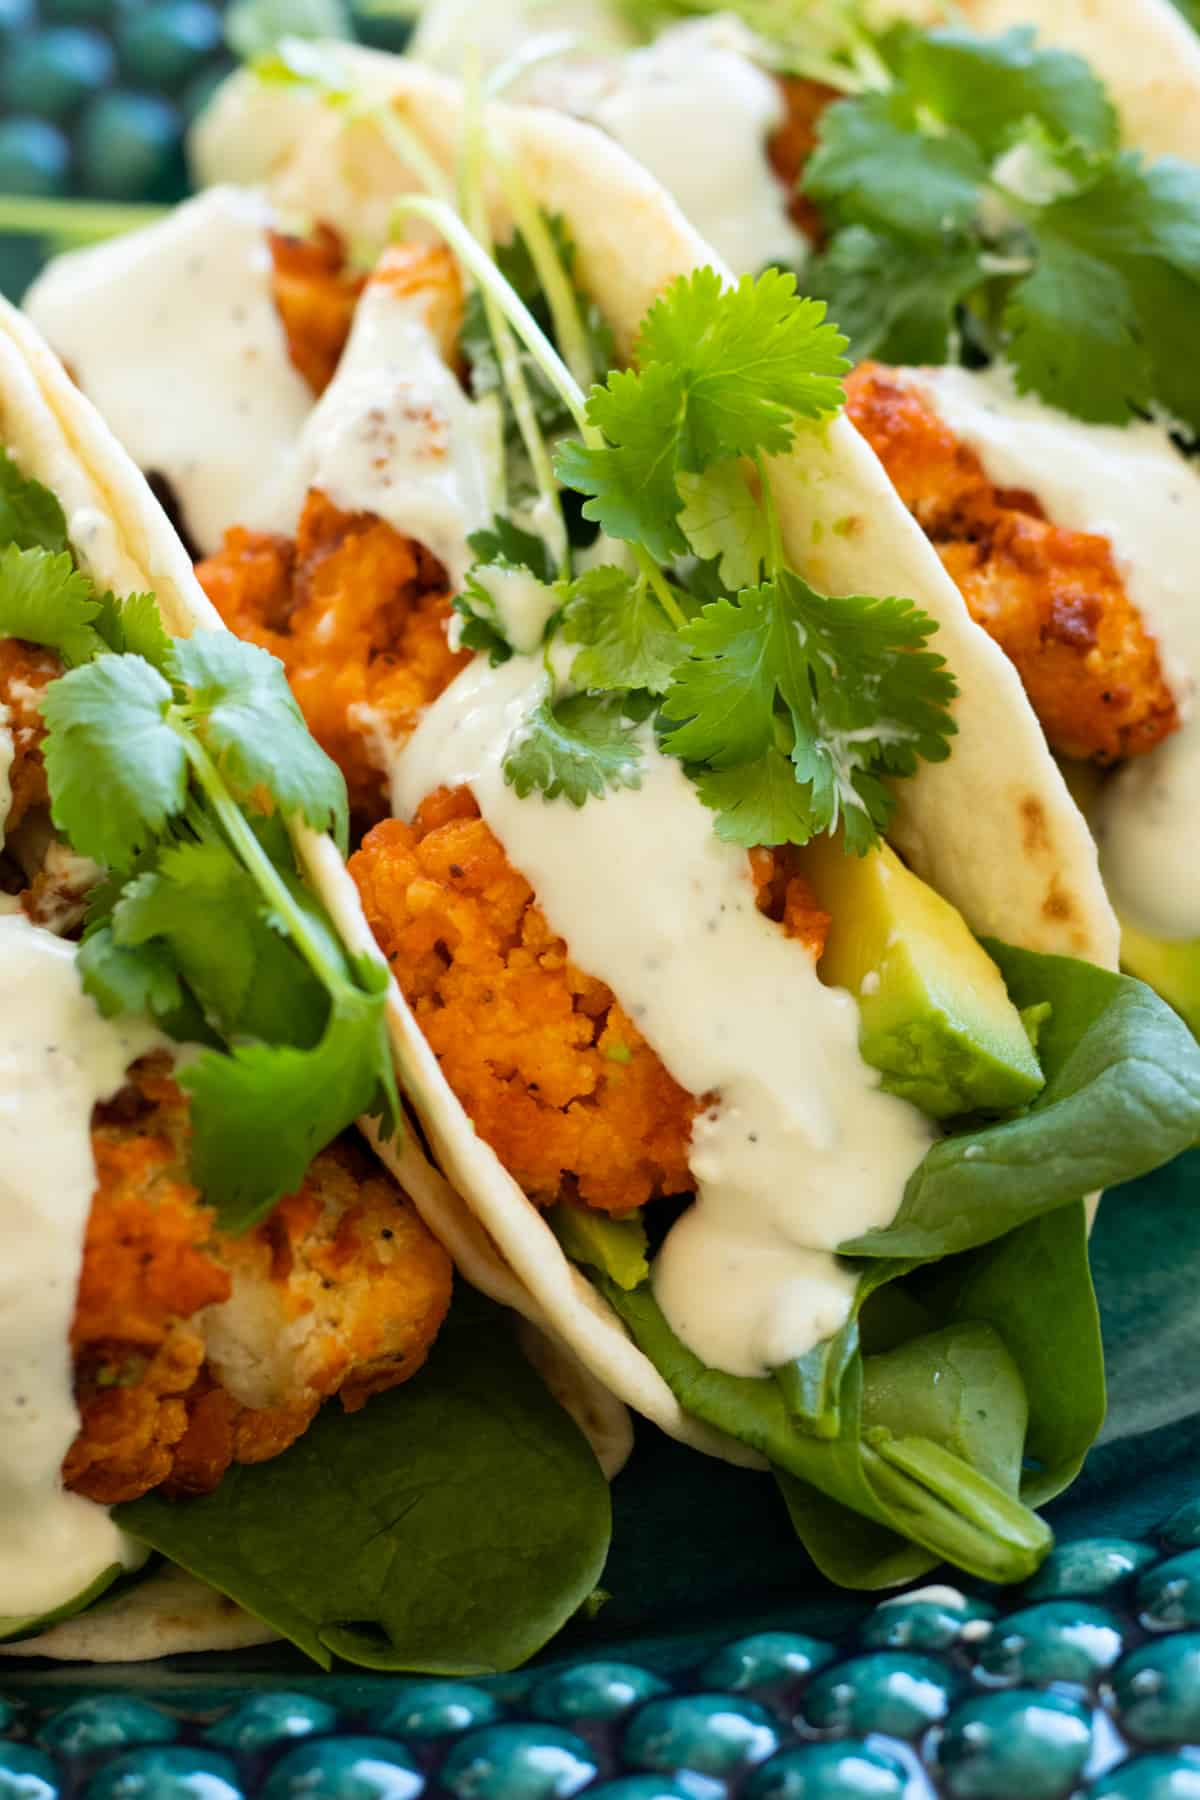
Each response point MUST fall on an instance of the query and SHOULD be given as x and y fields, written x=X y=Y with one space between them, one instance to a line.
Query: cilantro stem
x=775 y=553
x=661 y=586
x=258 y=864
x=564 y=309
x=492 y=283
x=404 y=143
x=74 y=221
x=474 y=207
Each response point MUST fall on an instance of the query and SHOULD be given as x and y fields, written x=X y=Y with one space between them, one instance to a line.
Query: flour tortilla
x=124 y=541
x=994 y=828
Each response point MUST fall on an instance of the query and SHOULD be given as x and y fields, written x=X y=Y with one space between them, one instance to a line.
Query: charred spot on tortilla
x=1035 y=835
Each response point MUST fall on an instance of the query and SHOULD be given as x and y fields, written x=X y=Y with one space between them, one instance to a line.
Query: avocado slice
x=934 y=1015
x=1170 y=966
x=617 y=1247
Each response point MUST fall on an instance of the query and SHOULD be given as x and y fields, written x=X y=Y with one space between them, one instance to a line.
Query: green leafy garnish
x=577 y=747
x=176 y=765
x=470 y=1517
x=720 y=373
x=45 y=600
x=844 y=688
x=989 y=175
x=515 y=265
x=30 y=515
x=630 y=642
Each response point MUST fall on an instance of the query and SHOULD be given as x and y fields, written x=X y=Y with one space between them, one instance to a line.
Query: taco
x=970 y=193
x=197 y=1253
x=753 y=974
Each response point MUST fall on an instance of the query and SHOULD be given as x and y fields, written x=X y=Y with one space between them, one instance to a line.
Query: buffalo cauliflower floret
x=1051 y=598
x=358 y=616
x=552 y=1072
x=26 y=670
x=194 y=1349
x=315 y=297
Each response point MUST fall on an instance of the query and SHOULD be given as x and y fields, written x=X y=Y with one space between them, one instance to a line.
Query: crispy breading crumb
x=193 y=1349
x=1051 y=598
x=793 y=142
x=553 y=1074
x=315 y=296
x=358 y=616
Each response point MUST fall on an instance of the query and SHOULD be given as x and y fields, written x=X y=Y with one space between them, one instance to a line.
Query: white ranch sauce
x=693 y=107
x=173 y=332
x=393 y=434
x=696 y=111
x=1130 y=485
x=801 y=1149
x=524 y=605
x=58 y=1057
x=8 y=751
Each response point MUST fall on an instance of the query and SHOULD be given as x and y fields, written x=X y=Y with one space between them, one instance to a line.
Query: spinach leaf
x=900 y=1487
x=451 y=1527
x=1122 y=1096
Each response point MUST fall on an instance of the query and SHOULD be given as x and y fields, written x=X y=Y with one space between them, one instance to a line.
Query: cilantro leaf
x=874 y=166
x=631 y=479
x=723 y=372
x=134 y=627
x=125 y=980
x=247 y=978
x=575 y=747
x=480 y=628
x=759 y=803
x=117 y=768
x=262 y=1112
x=504 y=542
x=723 y=520
x=246 y=717
x=45 y=600
x=846 y=686
x=30 y=515
x=753 y=359
x=630 y=642
x=1074 y=336
x=894 y=298
x=988 y=86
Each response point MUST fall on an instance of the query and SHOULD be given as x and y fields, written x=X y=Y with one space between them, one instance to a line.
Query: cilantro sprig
x=833 y=696
x=986 y=189
x=178 y=765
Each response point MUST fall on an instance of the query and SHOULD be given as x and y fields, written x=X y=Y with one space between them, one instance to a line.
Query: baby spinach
x=451 y=1527
x=1122 y=1096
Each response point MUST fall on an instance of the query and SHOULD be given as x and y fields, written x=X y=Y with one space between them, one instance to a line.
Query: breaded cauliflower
x=1051 y=598
x=193 y=1349
x=358 y=616
x=553 y=1074
x=315 y=297
x=793 y=142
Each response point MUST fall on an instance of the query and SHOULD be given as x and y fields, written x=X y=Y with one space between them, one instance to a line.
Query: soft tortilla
x=994 y=828
x=124 y=541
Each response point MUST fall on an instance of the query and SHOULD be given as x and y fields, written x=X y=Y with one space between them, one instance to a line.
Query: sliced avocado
x=617 y=1247
x=1170 y=966
x=935 y=1016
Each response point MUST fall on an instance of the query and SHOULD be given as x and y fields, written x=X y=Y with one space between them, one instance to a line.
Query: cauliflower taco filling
x=638 y=900
x=183 y=1289
x=979 y=235
x=626 y=779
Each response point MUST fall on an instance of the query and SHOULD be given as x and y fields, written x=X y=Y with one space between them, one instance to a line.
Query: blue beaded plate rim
x=1084 y=1682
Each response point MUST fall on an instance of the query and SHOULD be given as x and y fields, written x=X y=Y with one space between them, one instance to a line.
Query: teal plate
x=720 y=1662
